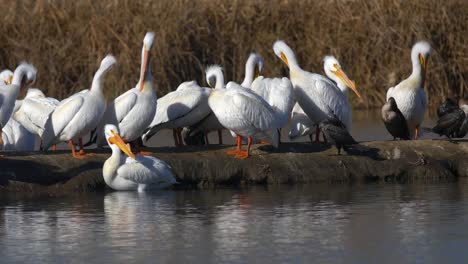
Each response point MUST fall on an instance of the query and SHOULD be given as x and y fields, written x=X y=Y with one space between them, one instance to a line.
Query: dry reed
x=65 y=40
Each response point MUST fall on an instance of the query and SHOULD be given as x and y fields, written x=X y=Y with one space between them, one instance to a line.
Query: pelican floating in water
x=8 y=93
x=246 y=114
x=409 y=94
x=394 y=120
x=133 y=111
x=139 y=173
x=318 y=96
x=35 y=110
x=78 y=114
x=185 y=106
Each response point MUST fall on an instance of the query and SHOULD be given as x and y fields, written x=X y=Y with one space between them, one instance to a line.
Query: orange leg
x=54 y=147
x=416 y=133
x=245 y=154
x=238 y=149
x=74 y=154
x=220 y=136
x=1 y=137
x=82 y=152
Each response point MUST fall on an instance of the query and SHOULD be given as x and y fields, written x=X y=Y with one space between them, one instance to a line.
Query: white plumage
x=8 y=93
x=139 y=173
x=78 y=114
x=409 y=94
x=35 y=110
x=279 y=94
x=133 y=111
x=301 y=125
x=318 y=96
x=17 y=138
x=6 y=76
x=185 y=106
x=245 y=113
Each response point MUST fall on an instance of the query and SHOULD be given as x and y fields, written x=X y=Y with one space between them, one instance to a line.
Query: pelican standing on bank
x=409 y=94
x=8 y=93
x=185 y=106
x=134 y=173
x=78 y=114
x=35 y=110
x=246 y=114
x=317 y=95
x=133 y=111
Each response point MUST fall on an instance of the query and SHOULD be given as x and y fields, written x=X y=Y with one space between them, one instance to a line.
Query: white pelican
x=35 y=110
x=246 y=114
x=279 y=93
x=78 y=114
x=16 y=137
x=8 y=93
x=180 y=108
x=133 y=111
x=134 y=172
x=301 y=126
x=215 y=79
x=253 y=67
x=409 y=94
x=6 y=76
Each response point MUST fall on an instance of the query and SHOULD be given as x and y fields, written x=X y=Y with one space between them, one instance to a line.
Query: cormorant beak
x=145 y=68
x=117 y=140
x=284 y=59
x=422 y=62
x=344 y=78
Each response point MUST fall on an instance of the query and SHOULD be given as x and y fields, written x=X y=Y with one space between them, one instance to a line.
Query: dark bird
x=336 y=133
x=450 y=123
x=394 y=120
x=446 y=107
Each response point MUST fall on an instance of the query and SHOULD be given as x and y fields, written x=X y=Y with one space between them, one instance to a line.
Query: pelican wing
x=37 y=111
x=66 y=111
x=254 y=110
x=124 y=104
x=332 y=97
x=146 y=170
x=177 y=104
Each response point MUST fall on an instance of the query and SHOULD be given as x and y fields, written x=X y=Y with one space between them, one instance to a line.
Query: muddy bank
x=425 y=160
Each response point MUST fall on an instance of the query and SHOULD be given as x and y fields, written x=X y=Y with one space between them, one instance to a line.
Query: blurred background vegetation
x=66 y=40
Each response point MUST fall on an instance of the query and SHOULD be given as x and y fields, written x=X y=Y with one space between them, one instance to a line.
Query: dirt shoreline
x=292 y=163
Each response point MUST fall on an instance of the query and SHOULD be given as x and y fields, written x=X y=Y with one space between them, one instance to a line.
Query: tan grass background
x=66 y=40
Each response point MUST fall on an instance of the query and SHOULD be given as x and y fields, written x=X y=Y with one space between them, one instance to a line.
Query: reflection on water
x=327 y=224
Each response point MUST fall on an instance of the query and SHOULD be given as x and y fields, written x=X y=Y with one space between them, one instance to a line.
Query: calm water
x=384 y=223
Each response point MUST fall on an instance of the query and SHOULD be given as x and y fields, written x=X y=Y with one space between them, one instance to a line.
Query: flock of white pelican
x=253 y=111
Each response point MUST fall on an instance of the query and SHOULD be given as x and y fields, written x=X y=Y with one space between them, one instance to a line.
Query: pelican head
x=148 y=42
x=253 y=67
x=419 y=55
x=115 y=142
x=214 y=76
x=333 y=70
x=6 y=76
x=285 y=53
x=24 y=70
